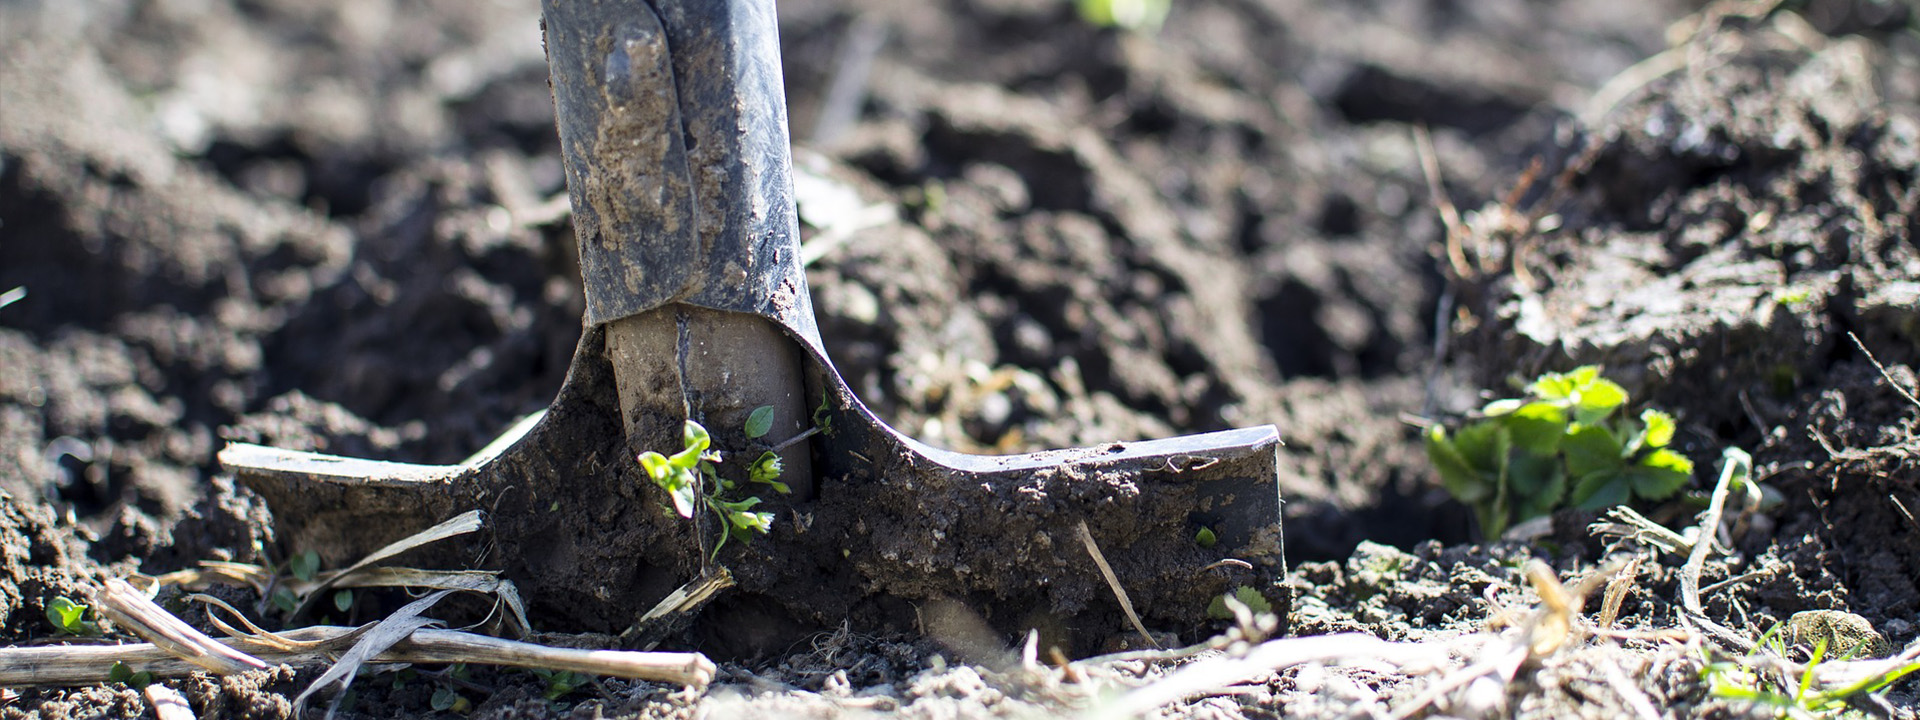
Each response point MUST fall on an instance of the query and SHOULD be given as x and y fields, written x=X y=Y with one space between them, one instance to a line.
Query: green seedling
x=560 y=683
x=1135 y=15
x=1802 y=696
x=305 y=565
x=1206 y=537
x=692 y=480
x=125 y=675
x=284 y=599
x=1247 y=595
x=69 y=617
x=1560 y=444
x=446 y=698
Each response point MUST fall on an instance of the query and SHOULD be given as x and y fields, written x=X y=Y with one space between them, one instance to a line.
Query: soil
x=332 y=227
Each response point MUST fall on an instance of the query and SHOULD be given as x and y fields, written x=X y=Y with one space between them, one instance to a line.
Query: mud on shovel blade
x=673 y=130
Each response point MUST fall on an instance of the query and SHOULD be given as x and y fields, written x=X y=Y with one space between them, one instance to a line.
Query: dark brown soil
x=328 y=226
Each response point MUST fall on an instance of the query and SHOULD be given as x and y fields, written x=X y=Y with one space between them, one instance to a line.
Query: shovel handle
x=673 y=130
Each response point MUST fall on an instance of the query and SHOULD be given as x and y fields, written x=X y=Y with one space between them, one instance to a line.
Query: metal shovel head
x=891 y=526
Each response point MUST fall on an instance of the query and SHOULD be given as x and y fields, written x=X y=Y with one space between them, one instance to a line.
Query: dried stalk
x=90 y=664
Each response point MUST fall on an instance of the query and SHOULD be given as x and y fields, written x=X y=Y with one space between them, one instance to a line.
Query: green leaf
x=125 y=675
x=1660 y=428
x=283 y=598
x=759 y=422
x=1205 y=537
x=686 y=460
x=1667 y=459
x=1461 y=480
x=681 y=489
x=1660 y=474
x=1501 y=407
x=696 y=438
x=305 y=565
x=1553 y=386
x=343 y=600
x=656 y=465
x=1597 y=400
x=443 y=698
x=1600 y=490
x=1590 y=449
x=1533 y=476
x=67 y=615
x=1537 y=427
x=1483 y=445
x=1252 y=598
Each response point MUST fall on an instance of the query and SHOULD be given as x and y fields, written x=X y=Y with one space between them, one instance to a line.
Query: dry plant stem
x=1617 y=592
x=1635 y=699
x=168 y=703
x=131 y=609
x=1697 y=560
x=1113 y=581
x=678 y=606
x=1214 y=674
x=90 y=664
x=1449 y=215
x=1883 y=370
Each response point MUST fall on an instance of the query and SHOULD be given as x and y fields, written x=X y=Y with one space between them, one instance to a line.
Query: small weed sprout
x=1803 y=696
x=69 y=617
x=125 y=675
x=1135 y=15
x=1247 y=595
x=1518 y=462
x=1206 y=538
x=559 y=683
x=684 y=475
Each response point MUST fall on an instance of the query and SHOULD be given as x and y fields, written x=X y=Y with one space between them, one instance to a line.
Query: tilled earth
x=341 y=226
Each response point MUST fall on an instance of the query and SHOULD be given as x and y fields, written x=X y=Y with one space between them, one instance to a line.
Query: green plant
x=69 y=617
x=125 y=675
x=304 y=566
x=692 y=480
x=446 y=698
x=560 y=682
x=1136 y=15
x=1247 y=595
x=1747 y=678
x=1206 y=537
x=1518 y=461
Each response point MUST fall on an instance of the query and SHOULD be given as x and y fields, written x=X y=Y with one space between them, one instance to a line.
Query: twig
x=1617 y=592
x=1634 y=697
x=1742 y=577
x=789 y=442
x=1883 y=370
x=1113 y=581
x=675 y=610
x=1212 y=674
x=89 y=664
x=131 y=609
x=168 y=703
x=1454 y=681
x=1449 y=215
x=848 y=89
x=1734 y=463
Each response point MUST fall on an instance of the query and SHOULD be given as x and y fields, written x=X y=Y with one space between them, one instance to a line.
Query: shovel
x=673 y=128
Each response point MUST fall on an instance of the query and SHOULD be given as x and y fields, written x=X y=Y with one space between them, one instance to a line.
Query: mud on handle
x=673 y=127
